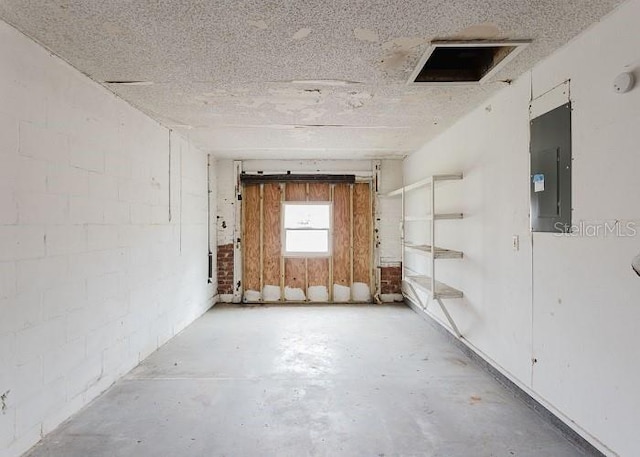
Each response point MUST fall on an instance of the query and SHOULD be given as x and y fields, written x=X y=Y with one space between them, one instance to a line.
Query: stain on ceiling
x=293 y=79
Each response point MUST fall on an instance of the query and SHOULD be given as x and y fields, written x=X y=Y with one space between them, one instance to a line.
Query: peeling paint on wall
x=226 y=200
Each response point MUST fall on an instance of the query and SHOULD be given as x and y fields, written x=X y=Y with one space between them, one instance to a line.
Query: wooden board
x=341 y=234
x=251 y=237
x=318 y=269
x=295 y=192
x=318 y=272
x=272 y=234
x=294 y=268
x=319 y=192
x=352 y=217
x=362 y=233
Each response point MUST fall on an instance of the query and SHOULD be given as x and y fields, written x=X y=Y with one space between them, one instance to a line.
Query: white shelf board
x=440 y=253
x=442 y=290
x=424 y=182
x=446 y=216
x=438 y=217
x=452 y=177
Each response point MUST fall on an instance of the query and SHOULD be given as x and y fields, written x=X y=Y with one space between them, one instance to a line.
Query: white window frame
x=283 y=231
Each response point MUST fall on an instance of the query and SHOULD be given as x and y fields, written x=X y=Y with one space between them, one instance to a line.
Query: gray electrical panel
x=551 y=171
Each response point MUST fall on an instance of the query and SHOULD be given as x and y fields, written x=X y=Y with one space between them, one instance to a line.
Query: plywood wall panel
x=294 y=268
x=272 y=234
x=295 y=271
x=342 y=234
x=318 y=269
x=362 y=219
x=352 y=222
x=295 y=192
x=319 y=192
x=318 y=272
x=251 y=237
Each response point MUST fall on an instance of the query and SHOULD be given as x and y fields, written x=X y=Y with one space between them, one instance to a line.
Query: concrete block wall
x=103 y=239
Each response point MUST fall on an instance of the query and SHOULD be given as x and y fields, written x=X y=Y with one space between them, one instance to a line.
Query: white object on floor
x=341 y=293
x=294 y=294
x=390 y=298
x=271 y=293
x=318 y=293
x=360 y=292
x=251 y=295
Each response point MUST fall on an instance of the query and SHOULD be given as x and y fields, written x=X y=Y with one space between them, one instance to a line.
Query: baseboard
x=570 y=434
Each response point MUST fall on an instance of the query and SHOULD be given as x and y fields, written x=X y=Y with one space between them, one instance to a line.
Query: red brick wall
x=225 y=269
x=390 y=279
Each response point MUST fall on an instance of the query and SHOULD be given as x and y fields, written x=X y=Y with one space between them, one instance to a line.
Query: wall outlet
x=515 y=241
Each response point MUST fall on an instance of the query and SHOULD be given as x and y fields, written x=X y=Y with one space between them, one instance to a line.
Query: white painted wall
x=389 y=213
x=93 y=274
x=226 y=201
x=212 y=228
x=571 y=302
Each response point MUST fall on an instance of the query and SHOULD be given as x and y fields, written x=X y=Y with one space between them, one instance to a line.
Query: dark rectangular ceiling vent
x=464 y=62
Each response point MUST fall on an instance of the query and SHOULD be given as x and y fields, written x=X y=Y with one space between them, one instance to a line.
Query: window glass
x=312 y=241
x=307 y=216
x=307 y=228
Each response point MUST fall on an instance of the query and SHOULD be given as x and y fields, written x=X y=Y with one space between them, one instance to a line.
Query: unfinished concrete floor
x=307 y=381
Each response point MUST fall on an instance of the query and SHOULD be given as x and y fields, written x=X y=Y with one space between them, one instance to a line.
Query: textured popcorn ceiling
x=293 y=79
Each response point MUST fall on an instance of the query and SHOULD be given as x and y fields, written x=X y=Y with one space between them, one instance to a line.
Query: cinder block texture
x=103 y=239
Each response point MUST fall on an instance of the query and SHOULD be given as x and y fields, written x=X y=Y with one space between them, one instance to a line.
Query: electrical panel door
x=551 y=171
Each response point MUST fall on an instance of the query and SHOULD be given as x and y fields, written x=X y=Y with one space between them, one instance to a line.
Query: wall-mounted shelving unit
x=411 y=281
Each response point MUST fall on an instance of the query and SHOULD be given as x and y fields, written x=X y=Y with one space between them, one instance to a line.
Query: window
x=307 y=227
